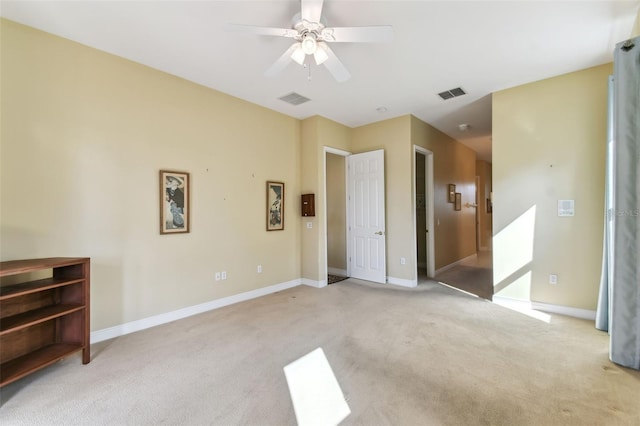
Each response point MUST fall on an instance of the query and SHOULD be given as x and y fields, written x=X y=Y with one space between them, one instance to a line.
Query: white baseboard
x=337 y=271
x=312 y=283
x=402 y=282
x=457 y=262
x=545 y=307
x=511 y=302
x=133 y=326
x=565 y=310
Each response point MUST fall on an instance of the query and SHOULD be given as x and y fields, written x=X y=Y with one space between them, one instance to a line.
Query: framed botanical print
x=175 y=194
x=452 y=193
x=275 y=206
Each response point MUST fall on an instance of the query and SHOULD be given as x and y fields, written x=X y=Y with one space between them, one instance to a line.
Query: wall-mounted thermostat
x=308 y=205
x=566 y=208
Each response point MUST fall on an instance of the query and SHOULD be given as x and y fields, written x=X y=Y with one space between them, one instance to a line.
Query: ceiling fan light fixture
x=309 y=44
x=298 y=54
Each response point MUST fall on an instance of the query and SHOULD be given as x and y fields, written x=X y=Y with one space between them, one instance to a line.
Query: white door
x=366 y=230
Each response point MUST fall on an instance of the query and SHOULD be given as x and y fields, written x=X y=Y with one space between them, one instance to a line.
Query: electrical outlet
x=403 y=261
x=259 y=269
x=217 y=276
x=309 y=225
x=553 y=279
x=224 y=275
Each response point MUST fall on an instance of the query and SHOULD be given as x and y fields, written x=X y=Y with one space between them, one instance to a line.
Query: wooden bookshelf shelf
x=42 y=320
x=19 y=367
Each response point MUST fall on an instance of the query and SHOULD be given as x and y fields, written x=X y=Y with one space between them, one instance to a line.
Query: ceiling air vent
x=294 y=98
x=452 y=93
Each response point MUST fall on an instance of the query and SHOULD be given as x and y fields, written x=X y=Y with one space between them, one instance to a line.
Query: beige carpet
x=425 y=356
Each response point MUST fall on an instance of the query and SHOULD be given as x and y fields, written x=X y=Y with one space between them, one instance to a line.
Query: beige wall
x=549 y=144
x=453 y=163
x=83 y=137
x=318 y=133
x=394 y=137
x=336 y=213
x=84 y=134
x=483 y=171
x=455 y=238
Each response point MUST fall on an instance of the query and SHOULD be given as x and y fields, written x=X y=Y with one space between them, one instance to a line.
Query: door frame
x=429 y=198
x=345 y=154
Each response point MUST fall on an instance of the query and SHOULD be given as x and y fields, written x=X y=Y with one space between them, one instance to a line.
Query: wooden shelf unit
x=42 y=320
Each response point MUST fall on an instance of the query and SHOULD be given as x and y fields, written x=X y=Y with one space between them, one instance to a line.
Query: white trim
x=456 y=263
x=511 y=302
x=312 y=283
x=565 y=310
x=138 y=325
x=402 y=282
x=337 y=271
x=336 y=151
x=545 y=307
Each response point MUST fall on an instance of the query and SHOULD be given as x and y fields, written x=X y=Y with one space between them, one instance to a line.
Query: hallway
x=473 y=275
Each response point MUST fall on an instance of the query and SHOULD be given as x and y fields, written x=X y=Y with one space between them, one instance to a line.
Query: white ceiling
x=481 y=46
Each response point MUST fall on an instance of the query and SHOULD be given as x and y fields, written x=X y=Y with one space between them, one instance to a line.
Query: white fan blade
x=375 y=34
x=311 y=10
x=282 y=62
x=282 y=32
x=333 y=64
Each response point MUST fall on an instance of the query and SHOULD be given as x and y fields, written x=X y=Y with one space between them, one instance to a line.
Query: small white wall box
x=566 y=208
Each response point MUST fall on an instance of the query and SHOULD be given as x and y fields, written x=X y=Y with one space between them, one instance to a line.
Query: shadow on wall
x=513 y=256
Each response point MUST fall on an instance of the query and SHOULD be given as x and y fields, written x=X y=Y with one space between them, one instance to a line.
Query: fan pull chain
x=308 y=71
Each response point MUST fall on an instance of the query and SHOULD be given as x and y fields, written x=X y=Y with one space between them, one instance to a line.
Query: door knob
x=379 y=233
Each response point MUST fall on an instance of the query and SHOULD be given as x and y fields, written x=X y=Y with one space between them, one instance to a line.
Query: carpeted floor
x=423 y=356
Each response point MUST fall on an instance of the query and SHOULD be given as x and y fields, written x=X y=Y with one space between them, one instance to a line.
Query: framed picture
x=452 y=193
x=175 y=193
x=458 y=203
x=275 y=206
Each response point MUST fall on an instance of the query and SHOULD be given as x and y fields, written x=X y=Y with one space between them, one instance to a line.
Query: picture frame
x=175 y=195
x=458 y=203
x=275 y=206
x=452 y=193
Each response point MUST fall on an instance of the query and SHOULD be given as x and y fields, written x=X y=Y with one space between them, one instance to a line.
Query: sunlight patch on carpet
x=523 y=307
x=315 y=392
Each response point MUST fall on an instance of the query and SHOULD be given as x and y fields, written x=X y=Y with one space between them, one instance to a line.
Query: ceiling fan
x=311 y=36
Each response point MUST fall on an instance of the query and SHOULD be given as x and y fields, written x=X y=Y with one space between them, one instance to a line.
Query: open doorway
x=336 y=215
x=423 y=213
